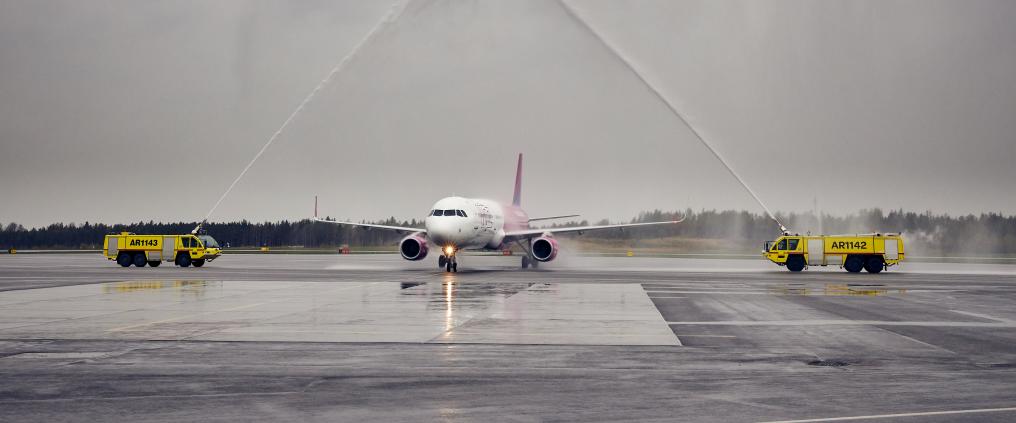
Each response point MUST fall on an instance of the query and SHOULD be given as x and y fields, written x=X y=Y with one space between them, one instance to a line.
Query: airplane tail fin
x=517 y=199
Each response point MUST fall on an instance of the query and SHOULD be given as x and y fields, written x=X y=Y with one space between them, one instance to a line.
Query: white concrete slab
x=443 y=312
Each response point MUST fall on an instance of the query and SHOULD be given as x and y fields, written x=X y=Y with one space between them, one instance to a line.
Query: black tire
x=534 y=263
x=525 y=262
x=198 y=262
x=154 y=263
x=448 y=266
x=441 y=261
x=795 y=263
x=139 y=259
x=874 y=264
x=183 y=260
x=853 y=264
x=124 y=259
x=455 y=268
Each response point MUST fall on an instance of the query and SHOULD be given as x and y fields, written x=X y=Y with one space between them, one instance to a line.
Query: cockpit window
x=461 y=213
x=449 y=212
x=437 y=212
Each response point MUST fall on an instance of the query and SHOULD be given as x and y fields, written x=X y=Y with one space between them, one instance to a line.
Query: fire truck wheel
x=154 y=263
x=140 y=260
x=853 y=264
x=124 y=259
x=874 y=264
x=795 y=263
x=183 y=260
x=198 y=263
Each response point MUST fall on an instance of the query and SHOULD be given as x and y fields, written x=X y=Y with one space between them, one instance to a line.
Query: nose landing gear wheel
x=449 y=263
x=441 y=261
x=525 y=262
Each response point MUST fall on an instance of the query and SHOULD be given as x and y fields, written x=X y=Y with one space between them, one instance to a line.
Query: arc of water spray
x=575 y=15
x=393 y=15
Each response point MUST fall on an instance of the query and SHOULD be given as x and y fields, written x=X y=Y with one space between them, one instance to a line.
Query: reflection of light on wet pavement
x=449 y=287
x=133 y=286
x=848 y=290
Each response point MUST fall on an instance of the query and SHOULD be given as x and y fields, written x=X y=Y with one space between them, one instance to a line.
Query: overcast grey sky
x=115 y=111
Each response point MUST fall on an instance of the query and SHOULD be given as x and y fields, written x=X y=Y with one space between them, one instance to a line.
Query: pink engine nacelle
x=413 y=247
x=544 y=248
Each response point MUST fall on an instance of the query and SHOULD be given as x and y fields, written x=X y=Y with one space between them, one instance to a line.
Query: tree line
x=931 y=234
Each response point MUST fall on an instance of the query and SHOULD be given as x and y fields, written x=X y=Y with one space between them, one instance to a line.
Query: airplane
x=456 y=224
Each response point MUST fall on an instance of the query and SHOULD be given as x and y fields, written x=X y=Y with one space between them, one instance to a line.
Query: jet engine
x=544 y=248
x=413 y=247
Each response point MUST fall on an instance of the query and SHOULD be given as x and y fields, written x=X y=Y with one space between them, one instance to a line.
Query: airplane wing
x=373 y=226
x=528 y=233
x=553 y=217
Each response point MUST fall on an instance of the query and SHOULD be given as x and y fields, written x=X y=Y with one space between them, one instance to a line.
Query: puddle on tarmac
x=845 y=290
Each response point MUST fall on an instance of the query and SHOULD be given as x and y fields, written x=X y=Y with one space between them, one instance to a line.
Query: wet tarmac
x=354 y=337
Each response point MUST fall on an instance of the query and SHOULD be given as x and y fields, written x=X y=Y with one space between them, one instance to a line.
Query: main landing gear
x=528 y=259
x=448 y=262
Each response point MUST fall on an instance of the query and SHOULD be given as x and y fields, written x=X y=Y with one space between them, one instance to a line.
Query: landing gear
x=528 y=260
x=449 y=263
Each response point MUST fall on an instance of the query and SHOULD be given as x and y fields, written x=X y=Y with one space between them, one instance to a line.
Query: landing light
x=448 y=250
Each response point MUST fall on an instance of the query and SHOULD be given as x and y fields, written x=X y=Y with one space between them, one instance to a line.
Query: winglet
x=517 y=199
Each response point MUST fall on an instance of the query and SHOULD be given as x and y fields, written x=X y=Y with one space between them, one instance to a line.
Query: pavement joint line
x=136 y=397
x=847 y=323
x=983 y=316
x=709 y=336
x=897 y=415
x=660 y=313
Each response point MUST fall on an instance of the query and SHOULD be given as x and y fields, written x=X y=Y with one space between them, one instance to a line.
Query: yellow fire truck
x=139 y=250
x=871 y=252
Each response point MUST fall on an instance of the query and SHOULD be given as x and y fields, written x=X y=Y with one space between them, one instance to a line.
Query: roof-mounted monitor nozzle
x=200 y=228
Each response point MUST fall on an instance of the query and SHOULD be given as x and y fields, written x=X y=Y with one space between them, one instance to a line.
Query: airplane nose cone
x=443 y=231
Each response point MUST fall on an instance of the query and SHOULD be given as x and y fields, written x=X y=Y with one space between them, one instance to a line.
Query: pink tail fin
x=517 y=199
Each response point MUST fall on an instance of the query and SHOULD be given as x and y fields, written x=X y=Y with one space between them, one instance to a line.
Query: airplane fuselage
x=470 y=223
